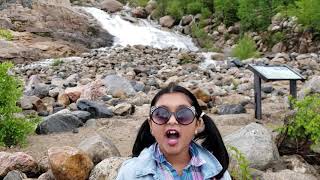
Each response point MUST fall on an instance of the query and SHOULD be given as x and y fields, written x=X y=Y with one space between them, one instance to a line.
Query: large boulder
x=59 y=122
x=167 y=21
x=231 y=109
x=287 y=174
x=116 y=84
x=311 y=86
x=255 y=142
x=99 y=148
x=68 y=163
x=59 y=22
x=107 y=169
x=111 y=5
x=96 y=109
x=15 y=175
x=17 y=161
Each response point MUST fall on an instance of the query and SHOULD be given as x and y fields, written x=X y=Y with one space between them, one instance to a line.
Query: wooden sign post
x=272 y=73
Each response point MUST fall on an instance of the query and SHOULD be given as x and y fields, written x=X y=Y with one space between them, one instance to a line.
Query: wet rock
x=17 y=161
x=167 y=21
x=257 y=136
x=68 y=163
x=61 y=122
x=96 y=109
x=111 y=6
x=231 y=109
x=107 y=169
x=99 y=148
x=139 y=12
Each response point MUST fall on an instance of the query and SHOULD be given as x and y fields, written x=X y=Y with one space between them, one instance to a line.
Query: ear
x=199 y=126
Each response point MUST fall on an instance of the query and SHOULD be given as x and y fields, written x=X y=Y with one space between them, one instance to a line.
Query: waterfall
x=140 y=33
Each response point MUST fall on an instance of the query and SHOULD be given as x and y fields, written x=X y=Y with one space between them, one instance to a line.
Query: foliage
x=174 y=9
x=274 y=38
x=13 y=130
x=305 y=124
x=6 y=34
x=246 y=48
x=227 y=11
x=57 y=62
x=307 y=11
x=205 y=41
x=141 y=3
x=241 y=171
x=194 y=7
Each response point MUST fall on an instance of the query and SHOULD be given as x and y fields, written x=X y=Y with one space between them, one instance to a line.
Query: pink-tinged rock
x=167 y=21
x=111 y=6
x=68 y=163
x=94 y=90
x=74 y=96
x=17 y=161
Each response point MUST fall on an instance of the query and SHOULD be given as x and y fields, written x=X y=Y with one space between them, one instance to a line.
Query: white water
x=142 y=33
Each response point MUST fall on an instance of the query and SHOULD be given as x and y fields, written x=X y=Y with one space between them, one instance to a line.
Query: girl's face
x=172 y=137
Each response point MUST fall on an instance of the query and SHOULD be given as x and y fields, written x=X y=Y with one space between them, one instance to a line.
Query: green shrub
x=241 y=171
x=194 y=7
x=13 y=130
x=6 y=34
x=305 y=124
x=226 y=10
x=141 y=3
x=307 y=11
x=57 y=62
x=274 y=38
x=175 y=9
x=246 y=48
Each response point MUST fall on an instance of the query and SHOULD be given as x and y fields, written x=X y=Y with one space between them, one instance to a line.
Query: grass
x=6 y=34
x=57 y=62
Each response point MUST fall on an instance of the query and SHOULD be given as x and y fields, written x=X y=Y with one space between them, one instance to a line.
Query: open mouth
x=172 y=134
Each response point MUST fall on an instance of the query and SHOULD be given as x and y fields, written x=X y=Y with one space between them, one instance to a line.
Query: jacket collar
x=147 y=165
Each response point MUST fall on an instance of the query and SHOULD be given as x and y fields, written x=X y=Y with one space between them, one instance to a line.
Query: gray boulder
x=15 y=175
x=231 y=109
x=99 y=148
x=96 y=109
x=40 y=90
x=255 y=142
x=311 y=86
x=116 y=84
x=82 y=115
x=61 y=122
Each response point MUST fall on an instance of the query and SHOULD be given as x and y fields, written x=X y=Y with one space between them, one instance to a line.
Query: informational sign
x=272 y=73
x=276 y=73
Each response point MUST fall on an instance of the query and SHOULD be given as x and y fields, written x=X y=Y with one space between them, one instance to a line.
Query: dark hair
x=211 y=137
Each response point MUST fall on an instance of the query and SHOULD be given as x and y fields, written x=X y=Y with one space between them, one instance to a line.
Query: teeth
x=172 y=132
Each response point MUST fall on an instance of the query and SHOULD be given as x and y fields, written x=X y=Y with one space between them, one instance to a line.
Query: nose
x=172 y=120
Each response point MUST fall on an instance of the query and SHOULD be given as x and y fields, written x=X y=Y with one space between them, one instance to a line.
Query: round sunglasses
x=161 y=115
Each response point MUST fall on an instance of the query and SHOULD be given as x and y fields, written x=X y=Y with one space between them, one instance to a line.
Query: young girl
x=165 y=147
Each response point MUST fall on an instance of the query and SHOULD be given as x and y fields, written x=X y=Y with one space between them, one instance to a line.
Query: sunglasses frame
x=153 y=108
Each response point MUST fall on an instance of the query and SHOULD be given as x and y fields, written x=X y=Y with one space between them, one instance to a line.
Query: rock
x=152 y=5
x=82 y=115
x=111 y=6
x=59 y=22
x=26 y=102
x=74 y=96
x=43 y=164
x=255 y=142
x=139 y=12
x=15 y=175
x=233 y=99
x=202 y=94
x=139 y=99
x=267 y=88
x=279 y=47
x=40 y=90
x=222 y=28
x=63 y=99
x=231 y=109
x=311 y=86
x=287 y=174
x=17 y=161
x=96 y=109
x=68 y=163
x=185 y=20
x=59 y=122
x=107 y=169
x=71 y=81
x=218 y=56
x=48 y=103
x=54 y=92
x=115 y=83
x=167 y=21
x=47 y=176
x=123 y=109
x=298 y=164
x=39 y=106
x=99 y=148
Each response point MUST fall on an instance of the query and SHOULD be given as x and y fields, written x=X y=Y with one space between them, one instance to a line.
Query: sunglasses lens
x=185 y=116
x=160 y=115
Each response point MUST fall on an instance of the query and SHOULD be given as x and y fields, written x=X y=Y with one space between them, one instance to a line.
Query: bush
x=241 y=171
x=13 y=130
x=307 y=11
x=246 y=48
x=57 y=62
x=175 y=9
x=6 y=34
x=141 y=3
x=194 y=7
x=305 y=124
x=227 y=11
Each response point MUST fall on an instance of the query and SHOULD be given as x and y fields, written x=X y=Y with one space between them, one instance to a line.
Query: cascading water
x=140 y=33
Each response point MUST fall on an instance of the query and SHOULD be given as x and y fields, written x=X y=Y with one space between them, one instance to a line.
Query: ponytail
x=213 y=143
x=144 y=139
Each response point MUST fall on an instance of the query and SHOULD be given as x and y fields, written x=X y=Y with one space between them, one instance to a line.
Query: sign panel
x=276 y=73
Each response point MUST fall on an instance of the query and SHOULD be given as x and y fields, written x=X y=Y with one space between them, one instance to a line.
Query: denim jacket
x=144 y=166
